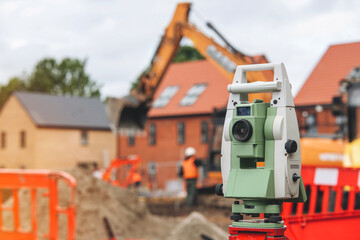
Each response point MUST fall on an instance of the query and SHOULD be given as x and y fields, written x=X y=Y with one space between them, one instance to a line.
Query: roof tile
x=323 y=83
x=186 y=75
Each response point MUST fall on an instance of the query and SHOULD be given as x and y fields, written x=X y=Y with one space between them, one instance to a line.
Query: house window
x=193 y=94
x=131 y=140
x=181 y=132
x=311 y=124
x=204 y=132
x=152 y=168
x=3 y=140
x=152 y=134
x=22 y=139
x=84 y=138
x=165 y=96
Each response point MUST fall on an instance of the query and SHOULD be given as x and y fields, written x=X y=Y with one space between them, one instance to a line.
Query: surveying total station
x=260 y=164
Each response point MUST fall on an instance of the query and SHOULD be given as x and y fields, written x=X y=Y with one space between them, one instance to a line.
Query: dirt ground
x=128 y=215
x=214 y=208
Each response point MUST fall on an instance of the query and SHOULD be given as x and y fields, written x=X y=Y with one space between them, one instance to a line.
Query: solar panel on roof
x=197 y=89
x=193 y=94
x=64 y=111
x=165 y=96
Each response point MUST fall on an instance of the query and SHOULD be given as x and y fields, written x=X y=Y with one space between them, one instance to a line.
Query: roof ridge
x=328 y=72
x=48 y=110
x=52 y=95
x=190 y=61
x=344 y=43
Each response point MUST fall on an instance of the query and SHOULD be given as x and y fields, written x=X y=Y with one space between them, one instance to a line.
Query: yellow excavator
x=133 y=108
x=350 y=87
x=226 y=59
x=343 y=148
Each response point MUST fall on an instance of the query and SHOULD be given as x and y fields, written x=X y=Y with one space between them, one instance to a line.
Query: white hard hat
x=190 y=151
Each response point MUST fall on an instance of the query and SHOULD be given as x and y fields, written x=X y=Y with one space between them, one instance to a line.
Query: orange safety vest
x=136 y=178
x=190 y=170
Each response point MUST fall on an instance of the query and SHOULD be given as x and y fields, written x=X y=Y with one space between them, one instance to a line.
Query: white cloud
x=294 y=5
x=329 y=23
x=17 y=43
x=7 y=8
x=32 y=11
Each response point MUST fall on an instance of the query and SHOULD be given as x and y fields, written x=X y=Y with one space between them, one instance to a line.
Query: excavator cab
x=347 y=112
x=353 y=110
x=351 y=88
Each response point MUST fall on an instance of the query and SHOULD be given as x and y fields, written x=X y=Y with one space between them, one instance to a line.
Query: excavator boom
x=225 y=59
x=133 y=108
x=164 y=53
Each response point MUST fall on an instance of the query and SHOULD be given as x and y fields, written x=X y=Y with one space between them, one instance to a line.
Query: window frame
x=3 y=140
x=180 y=132
x=152 y=134
x=152 y=168
x=131 y=139
x=22 y=139
x=165 y=97
x=84 y=138
x=204 y=134
x=193 y=94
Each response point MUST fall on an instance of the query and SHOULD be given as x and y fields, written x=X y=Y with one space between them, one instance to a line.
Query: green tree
x=14 y=84
x=187 y=53
x=65 y=78
x=68 y=77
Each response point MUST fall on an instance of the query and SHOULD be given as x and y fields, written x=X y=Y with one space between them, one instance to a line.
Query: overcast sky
x=119 y=37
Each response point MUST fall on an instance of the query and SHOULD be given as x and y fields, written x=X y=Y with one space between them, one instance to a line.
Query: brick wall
x=325 y=121
x=166 y=152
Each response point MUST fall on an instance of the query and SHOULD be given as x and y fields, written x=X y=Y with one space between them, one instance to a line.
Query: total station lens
x=242 y=130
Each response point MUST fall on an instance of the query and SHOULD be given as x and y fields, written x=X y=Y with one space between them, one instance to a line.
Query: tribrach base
x=238 y=233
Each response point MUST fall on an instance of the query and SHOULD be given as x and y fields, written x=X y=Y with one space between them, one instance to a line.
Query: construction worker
x=133 y=180
x=189 y=171
x=136 y=179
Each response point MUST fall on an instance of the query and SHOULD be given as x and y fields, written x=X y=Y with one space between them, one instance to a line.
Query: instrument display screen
x=243 y=111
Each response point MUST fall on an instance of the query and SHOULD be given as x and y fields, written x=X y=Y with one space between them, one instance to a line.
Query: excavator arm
x=225 y=59
x=164 y=53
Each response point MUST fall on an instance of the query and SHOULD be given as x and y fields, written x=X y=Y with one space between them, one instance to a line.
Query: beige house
x=54 y=132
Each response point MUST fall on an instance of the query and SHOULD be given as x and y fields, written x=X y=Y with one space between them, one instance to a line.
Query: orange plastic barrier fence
x=34 y=180
x=333 y=207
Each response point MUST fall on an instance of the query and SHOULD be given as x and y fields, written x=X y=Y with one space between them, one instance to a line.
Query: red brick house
x=314 y=100
x=181 y=116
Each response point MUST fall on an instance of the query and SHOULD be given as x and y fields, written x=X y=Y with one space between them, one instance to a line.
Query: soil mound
x=127 y=215
x=196 y=227
x=95 y=200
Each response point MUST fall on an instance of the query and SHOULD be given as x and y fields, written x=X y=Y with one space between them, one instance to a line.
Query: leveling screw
x=236 y=217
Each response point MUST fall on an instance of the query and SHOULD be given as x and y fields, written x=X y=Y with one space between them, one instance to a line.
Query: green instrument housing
x=247 y=181
x=261 y=154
